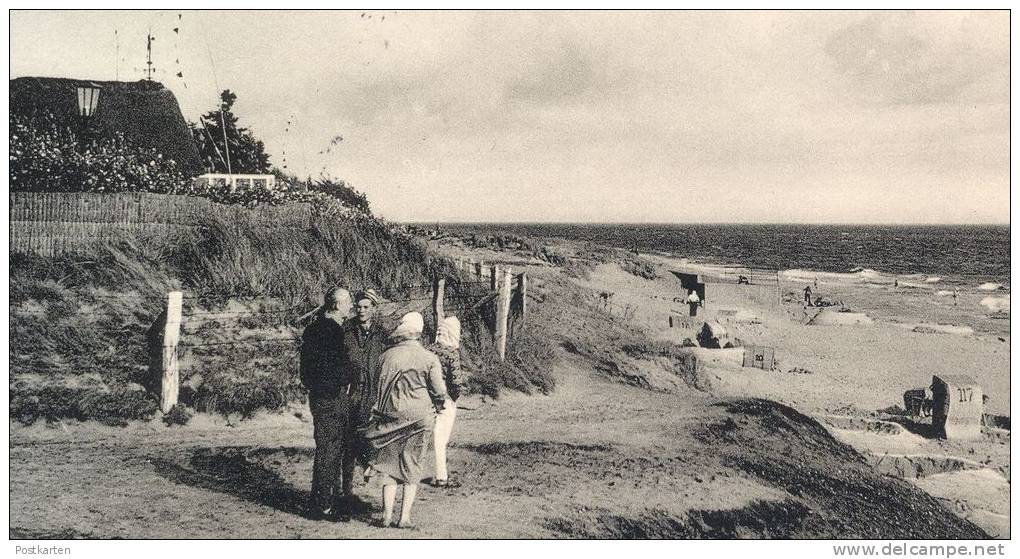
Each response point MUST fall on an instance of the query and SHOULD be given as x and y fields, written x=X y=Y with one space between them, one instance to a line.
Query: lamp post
x=88 y=102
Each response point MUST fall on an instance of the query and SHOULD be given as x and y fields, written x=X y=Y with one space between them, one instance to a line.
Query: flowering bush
x=45 y=157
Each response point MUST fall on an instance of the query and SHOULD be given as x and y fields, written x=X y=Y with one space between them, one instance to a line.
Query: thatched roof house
x=145 y=112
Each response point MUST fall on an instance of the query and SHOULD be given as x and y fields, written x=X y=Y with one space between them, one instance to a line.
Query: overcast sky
x=888 y=117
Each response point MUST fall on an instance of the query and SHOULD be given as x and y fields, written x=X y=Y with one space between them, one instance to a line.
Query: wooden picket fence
x=53 y=223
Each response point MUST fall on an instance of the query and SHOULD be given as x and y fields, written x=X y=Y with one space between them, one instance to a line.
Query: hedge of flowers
x=45 y=157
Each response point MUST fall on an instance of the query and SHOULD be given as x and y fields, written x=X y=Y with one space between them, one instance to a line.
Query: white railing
x=267 y=182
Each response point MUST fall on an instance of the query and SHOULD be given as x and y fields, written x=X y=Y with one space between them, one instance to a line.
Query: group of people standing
x=377 y=398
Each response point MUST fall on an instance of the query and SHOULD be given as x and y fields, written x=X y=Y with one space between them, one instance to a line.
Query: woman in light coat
x=410 y=392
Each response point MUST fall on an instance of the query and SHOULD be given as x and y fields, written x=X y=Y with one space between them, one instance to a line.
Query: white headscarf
x=410 y=327
x=448 y=333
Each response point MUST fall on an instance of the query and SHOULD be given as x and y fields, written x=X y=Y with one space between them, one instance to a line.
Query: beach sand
x=850 y=369
x=855 y=369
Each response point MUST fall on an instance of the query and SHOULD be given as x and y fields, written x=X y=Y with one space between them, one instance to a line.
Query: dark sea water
x=966 y=254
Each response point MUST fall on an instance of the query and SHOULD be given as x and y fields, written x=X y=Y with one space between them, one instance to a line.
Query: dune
x=829 y=317
x=929 y=328
x=990 y=286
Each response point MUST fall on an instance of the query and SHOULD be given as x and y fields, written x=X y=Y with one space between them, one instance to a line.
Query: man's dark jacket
x=363 y=353
x=324 y=367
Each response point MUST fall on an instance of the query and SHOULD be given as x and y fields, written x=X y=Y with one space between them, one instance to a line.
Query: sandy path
x=524 y=461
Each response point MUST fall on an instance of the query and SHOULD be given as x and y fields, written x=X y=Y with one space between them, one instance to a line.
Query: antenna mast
x=148 y=55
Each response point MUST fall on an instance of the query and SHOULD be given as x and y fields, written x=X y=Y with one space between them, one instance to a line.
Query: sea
x=968 y=256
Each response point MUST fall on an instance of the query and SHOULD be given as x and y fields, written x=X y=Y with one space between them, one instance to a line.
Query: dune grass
x=80 y=323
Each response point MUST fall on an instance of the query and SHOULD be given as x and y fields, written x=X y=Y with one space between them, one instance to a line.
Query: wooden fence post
x=522 y=288
x=478 y=270
x=438 y=288
x=494 y=277
x=502 y=312
x=170 y=380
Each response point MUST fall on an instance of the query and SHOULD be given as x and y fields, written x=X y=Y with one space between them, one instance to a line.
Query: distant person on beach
x=807 y=296
x=410 y=392
x=364 y=341
x=956 y=295
x=447 y=349
x=328 y=380
x=692 y=302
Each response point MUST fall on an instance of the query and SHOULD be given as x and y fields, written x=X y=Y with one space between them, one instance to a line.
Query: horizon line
x=832 y=223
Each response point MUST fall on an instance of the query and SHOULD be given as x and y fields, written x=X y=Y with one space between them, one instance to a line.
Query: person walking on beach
x=324 y=373
x=692 y=302
x=410 y=393
x=807 y=296
x=956 y=295
x=447 y=349
x=364 y=341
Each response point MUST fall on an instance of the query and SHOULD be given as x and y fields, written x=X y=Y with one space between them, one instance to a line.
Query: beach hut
x=958 y=406
x=713 y=335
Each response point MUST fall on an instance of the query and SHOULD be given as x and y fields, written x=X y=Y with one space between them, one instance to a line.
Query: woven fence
x=52 y=223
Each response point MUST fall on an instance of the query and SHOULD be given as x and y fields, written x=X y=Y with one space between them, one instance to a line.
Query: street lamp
x=88 y=102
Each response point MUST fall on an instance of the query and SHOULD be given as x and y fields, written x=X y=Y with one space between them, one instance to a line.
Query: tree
x=246 y=153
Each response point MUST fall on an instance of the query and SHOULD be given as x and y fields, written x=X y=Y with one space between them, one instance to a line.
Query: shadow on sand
x=242 y=471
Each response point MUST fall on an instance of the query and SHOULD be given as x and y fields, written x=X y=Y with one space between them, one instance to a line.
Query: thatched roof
x=145 y=112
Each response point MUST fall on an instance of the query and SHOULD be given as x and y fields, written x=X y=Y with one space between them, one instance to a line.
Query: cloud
x=567 y=74
x=904 y=58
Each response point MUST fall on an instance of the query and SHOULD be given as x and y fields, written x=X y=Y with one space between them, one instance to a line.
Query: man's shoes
x=317 y=513
x=354 y=504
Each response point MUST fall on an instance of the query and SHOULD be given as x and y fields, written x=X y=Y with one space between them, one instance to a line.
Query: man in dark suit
x=326 y=374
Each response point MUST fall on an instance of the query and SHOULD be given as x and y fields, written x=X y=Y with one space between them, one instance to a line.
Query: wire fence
x=248 y=336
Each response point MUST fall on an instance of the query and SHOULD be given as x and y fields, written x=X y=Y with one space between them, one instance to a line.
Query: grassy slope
x=79 y=324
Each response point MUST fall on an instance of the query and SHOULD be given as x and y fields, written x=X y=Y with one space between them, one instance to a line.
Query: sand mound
x=943 y=329
x=979 y=495
x=990 y=286
x=916 y=466
x=822 y=488
x=829 y=317
x=996 y=304
x=853 y=423
x=733 y=356
x=738 y=315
